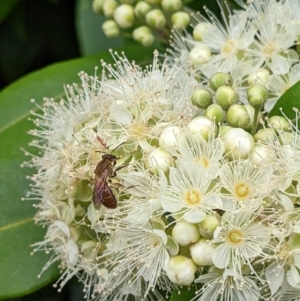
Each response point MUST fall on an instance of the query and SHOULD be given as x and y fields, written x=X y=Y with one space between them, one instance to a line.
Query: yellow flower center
x=138 y=130
x=242 y=191
x=203 y=161
x=235 y=237
x=269 y=49
x=228 y=47
x=192 y=197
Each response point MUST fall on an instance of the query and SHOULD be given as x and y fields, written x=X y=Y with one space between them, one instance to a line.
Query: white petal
x=279 y=65
x=194 y=215
x=292 y=276
x=274 y=277
x=220 y=256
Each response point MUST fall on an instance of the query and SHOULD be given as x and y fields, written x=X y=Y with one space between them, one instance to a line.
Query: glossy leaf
x=6 y=7
x=289 y=100
x=19 y=270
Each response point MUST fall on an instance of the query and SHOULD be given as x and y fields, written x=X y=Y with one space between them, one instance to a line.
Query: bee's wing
x=100 y=183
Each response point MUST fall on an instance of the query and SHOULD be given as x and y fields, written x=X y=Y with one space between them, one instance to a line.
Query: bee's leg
x=118 y=168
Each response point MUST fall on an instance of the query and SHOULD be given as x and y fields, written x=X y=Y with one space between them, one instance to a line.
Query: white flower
x=190 y=193
x=240 y=239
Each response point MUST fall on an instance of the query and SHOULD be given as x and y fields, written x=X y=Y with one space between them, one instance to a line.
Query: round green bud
x=220 y=79
x=260 y=77
x=130 y=2
x=264 y=135
x=279 y=123
x=124 y=16
x=223 y=129
x=109 y=7
x=208 y=226
x=143 y=35
x=202 y=98
x=257 y=95
x=226 y=97
x=111 y=29
x=200 y=55
x=98 y=6
x=171 y=6
x=156 y=19
x=200 y=30
x=251 y=113
x=180 y=20
x=215 y=113
x=153 y=2
x=237 y=116
x=141 y=9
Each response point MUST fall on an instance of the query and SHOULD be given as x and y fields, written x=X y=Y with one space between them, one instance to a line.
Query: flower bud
x=264 y=135
x=220 y=79
x=201 y=252
x=215 y=113
x=202 y=126
x=171 y=6
x=260 y=77
x=209 y=225
x=226 y=96
x=238 y=143
x=141 y=9
x=185 y=233
x=202 y=98
x=124 y=16
x=279 y=123
x=294 y=241
x=159 y=159
x=169 y=136
x=223 y=129
x=181 y=270
x=143 y=35
x=200 y=55
x=153 y=2
x=180 y=20
x=257 y=95
x=237 y=116
x=111 y=29
x=200 y=30
x=155 y=18
x=109 y=7
x=98 y=6
x=262 y=154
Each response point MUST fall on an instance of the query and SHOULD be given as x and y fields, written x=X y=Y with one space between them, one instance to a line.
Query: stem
x=256 y=114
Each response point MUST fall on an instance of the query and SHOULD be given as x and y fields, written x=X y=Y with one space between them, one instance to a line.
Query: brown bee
x=103 y=194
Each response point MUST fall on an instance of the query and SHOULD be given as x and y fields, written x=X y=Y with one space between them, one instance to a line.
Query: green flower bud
x=111 y=29
x=237 y=116
x=143 y=35
x=141 y=9
x=153 y=2
x=201 y=252
x=155 y=18
x=200 y=55
x=208 y=226
x=171 y=5
x=109 y=8
x=260 y=77
x=98 y=6
x=226 y=96
x=264 y=135
x=257 y=95
x=181 y=270
x=238 y=143
x=223 y=129
x=201 y=125
x=202 y=98
x=215 y=113
x=180 y=20
x=185 y=233
x=159 y=159
x=279 y=123
x=251 y=113
x=220 y=79
x=200 y=30
x=124 y=16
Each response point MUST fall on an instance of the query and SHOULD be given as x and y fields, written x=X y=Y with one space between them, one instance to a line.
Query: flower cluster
x=207 y=186
x=142 y=20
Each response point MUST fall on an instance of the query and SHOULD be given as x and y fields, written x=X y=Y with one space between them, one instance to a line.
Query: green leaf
x=289 y=100
x=90 y=36
x=185 y=293
x=19 y=270
x=6 y=7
